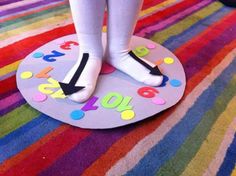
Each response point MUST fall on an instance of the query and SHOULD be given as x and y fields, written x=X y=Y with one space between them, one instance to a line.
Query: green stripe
x=16 y=119
x=186 y=23
x=19 y=22
x=184 y=155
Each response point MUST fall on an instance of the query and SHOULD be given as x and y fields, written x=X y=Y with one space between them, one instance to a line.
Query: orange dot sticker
x=159 y=62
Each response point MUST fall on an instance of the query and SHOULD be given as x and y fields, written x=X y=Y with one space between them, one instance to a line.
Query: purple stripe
x=9 y=103
x=5 y=2
x=26 y=7
x=86 y=152
x=173 y=19
x=205 y=54
x=179 y=15
x=7 y=75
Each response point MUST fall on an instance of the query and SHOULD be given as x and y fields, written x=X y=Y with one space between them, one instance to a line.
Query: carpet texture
x=195 y=137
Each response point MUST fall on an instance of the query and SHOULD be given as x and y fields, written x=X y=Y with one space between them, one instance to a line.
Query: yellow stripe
x=211 y=144
x=156 y=7
x=38 y=24
x=186 y=23
x=9 y=68
x=234 y=172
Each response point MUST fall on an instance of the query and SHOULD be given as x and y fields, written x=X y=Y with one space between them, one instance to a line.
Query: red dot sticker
x=107 y=68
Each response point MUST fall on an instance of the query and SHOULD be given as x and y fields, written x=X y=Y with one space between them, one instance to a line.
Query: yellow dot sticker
x=169 y=60
x=26 y=75
x=127 y=115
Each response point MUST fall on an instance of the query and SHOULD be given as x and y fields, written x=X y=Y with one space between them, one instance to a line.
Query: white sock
x=122 y=18
x=88 y=20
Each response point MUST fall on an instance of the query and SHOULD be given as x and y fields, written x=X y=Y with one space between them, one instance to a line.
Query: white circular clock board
x=118 y=100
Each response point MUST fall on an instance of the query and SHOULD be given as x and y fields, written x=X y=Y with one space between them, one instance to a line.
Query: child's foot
x=81 y=80
x=138 y=68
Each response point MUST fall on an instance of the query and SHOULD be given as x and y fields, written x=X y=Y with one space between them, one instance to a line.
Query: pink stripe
x=17 y=4
x=173 y=19
x=10 y=100
x=219 y=157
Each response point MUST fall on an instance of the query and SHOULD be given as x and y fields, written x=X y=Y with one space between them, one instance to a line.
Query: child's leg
x=88 y=20
x=122 y=18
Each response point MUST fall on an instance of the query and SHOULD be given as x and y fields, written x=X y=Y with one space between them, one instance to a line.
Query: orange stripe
x=123 y=146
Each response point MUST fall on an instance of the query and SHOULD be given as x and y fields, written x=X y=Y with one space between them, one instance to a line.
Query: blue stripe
x=168 y=146
x=26 y=135
x=175 y=42
x=229 y=161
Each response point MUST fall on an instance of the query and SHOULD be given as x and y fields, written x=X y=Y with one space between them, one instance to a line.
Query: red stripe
x=50 y=152
x=164 y=14
x=7 y=86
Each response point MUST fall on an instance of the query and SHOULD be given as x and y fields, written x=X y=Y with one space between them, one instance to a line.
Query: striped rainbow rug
x=195 y=137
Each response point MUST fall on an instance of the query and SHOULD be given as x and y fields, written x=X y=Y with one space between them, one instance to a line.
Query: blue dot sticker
x=38 y=55
x=77 y=114
x=175 y=83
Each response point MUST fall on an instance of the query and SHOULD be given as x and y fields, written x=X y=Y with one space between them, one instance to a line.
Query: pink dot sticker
x=158 y=101
x=107 y=68
x=39 y=97
x=151 y=46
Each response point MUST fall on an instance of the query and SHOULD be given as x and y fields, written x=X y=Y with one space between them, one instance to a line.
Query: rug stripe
x=38 y=156
x=162 y=15
x=17 y=9
x=34 y=25
x=134 y=155
x=211 y=144
x=175 y=42
x=39 y=126
x=218 y=159
x=16 y=118
x=31 y=11
x=182 y=25
x=133 y=138
x=6 y=2
x=17 y=4
x=9 y=68
x=199 y=9
x=171 y=142
x=31 y=46
x=234 y=172
x=229 y=160
x=35 y=17
x=9 y=103
x=94 y=145
x=20 y=156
